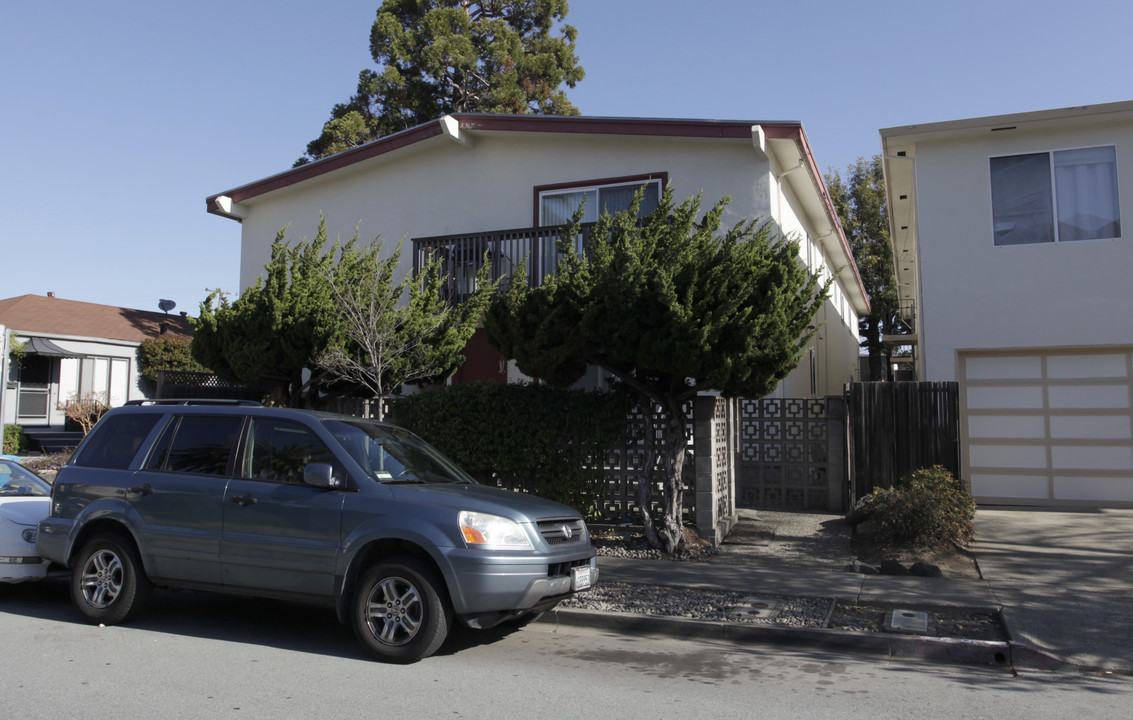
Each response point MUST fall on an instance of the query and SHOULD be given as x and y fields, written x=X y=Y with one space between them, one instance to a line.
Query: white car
x=25 y=499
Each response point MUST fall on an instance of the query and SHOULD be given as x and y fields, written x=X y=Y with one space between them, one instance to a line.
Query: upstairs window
x=1055 y=196
x=557 y=204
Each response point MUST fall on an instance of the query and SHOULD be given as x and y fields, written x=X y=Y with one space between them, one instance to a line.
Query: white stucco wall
x=436 y=187
x=975 y=295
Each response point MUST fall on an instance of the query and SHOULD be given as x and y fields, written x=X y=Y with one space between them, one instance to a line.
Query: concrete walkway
x=1064 y=581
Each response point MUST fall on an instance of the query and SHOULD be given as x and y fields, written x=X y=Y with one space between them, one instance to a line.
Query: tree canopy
x=437 y=57
x=278 y=326
x=860 y=201
x=396 y=331
x=669 y=308
x=337 y=319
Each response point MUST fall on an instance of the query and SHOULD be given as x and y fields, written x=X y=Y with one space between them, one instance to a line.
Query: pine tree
x=861 y=204
x=437 y=57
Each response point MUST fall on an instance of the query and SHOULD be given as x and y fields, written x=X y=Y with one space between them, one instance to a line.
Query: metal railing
x=462 y=256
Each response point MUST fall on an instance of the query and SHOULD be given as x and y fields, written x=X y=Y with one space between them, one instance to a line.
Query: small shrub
x=930 y=507
x=86 y=410
x=15 y=441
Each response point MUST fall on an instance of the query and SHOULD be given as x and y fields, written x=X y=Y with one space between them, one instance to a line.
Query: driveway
x=1064 y=578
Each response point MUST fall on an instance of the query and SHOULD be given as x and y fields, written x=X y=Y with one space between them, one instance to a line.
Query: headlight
x=483 y=530
x=28 y=535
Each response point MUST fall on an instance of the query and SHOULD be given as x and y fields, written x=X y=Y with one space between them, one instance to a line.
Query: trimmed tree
x=276 y=329
x=395 y=331
x=670 y=308
x=443 y=56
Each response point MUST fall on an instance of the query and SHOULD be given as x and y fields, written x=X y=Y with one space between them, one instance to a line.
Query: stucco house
x=469 y=183
x=72 y=348
x=1012 y=263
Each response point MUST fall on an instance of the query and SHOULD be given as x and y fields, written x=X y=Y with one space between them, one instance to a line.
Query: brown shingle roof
x=51 y=315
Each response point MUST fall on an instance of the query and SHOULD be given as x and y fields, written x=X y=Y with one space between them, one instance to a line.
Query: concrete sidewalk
x=1064 y=581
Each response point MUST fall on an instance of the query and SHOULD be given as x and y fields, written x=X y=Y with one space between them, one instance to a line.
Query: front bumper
x=484 y=584
x=18 y=562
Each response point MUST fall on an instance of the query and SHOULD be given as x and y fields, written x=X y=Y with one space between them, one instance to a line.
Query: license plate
x=580 y=578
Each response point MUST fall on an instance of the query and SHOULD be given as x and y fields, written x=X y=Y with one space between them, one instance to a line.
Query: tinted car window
x=200 y=444
x=116 y=440
x=390 y=454
x=278 y=450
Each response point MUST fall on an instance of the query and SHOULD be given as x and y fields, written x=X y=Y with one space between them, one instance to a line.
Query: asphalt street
x=196 y=655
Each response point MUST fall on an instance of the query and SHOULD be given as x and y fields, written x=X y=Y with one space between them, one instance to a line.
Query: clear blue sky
x=120 y=117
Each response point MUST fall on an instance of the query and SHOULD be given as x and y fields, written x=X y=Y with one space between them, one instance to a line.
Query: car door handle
x=140 y=490
x=245 y=499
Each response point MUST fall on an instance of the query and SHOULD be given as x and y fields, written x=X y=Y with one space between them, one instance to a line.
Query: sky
x=121 y=117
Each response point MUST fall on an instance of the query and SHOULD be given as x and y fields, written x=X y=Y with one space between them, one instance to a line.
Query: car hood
x=24 y=510
x=480 y=498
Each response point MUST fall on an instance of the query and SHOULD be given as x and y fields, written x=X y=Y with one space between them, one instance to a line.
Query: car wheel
x=108 y=582
x=400 y=613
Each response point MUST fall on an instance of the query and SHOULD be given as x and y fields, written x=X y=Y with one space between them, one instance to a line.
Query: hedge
x=544 y=440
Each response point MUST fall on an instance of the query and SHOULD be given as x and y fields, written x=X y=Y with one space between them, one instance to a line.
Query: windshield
x=15 y=479
x=391 y=454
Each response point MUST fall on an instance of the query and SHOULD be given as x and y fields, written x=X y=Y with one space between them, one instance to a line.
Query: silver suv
x=306 y=506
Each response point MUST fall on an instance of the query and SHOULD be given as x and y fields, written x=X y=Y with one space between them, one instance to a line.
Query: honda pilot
x=306 y=506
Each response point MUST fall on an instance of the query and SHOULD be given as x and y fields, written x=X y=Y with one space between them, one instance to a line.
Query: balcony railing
x=907 y=312
x=506 y=250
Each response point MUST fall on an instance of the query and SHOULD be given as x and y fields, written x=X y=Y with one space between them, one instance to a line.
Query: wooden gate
x=898 y=427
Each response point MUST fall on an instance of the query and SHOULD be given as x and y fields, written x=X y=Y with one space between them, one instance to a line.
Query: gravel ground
x=779 y=539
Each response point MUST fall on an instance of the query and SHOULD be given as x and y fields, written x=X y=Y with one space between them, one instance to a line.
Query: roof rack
x=196 y=401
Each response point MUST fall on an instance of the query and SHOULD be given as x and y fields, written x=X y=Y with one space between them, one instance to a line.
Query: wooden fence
x=896 y=427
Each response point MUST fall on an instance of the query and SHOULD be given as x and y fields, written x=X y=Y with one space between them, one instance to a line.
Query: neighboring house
x=73 y=349
x=470 y=183
x=1013 y=254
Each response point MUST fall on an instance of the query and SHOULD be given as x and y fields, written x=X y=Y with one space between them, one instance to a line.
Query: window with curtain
x=1057 y=196
x=556 y=207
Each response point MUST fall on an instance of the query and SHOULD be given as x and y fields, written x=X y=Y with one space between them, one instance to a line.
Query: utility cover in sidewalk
x=755 y=607
x=910 y=621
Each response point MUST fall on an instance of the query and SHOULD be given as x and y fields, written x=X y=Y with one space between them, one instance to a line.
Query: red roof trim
x=725 y=129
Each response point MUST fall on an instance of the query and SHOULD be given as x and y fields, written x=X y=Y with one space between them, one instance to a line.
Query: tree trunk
x=668 y=534
x=673 y=452
x=875 y=347
x=645 y=485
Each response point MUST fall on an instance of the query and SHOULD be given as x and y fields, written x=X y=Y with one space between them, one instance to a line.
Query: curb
x=890 y=645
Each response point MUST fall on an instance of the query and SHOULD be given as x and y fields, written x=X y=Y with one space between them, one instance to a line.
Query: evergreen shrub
x=929 y=507
x=14 y=440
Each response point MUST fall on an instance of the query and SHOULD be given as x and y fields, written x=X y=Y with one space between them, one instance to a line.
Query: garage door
x=1052 y=427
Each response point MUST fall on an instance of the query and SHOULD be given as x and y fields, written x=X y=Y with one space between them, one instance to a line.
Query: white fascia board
x=450 y=126
x=231 y=209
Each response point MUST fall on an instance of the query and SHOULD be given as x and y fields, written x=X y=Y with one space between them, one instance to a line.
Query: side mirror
x=321 y=475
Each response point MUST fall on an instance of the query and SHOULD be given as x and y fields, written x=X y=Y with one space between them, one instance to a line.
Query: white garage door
x=1051 y=427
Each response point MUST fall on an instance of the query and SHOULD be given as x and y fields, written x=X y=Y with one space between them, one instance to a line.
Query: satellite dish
x=166 y=305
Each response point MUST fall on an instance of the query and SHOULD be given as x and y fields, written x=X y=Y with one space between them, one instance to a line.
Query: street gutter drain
x=910 y=621
x=755 y=607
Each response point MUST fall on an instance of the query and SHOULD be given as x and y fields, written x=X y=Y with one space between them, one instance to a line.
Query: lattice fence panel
x=625 y=467
x=783 y=453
